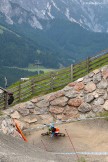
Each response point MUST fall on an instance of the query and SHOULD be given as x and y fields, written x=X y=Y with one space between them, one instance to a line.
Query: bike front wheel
x=61 y=134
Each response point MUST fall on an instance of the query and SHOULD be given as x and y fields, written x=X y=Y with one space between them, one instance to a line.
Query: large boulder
x=42 y=103
x=30 y=119
x=55 y=95
x=105 y=106
x=98 y=101
x=7 y=126
x=56 y=109
x=72 y=84
x=59 y=94
x=71 y=94
x=70 y=110
x=29 y=105
x=88 y=97
x=96 y=108
x=105 y=96
x=84 y=108
x=46 y=118
x=24 y=111
x=103 y=84
x=87 y=79
x=90 y=87
x=97 y=78
x=101 y=92
x=35 y=100
x=75 y=102
x=105 y=73
x=91 y=74
x=39 y=111
x=62 y=101
x=95 y=94
x=51 y=98
x=80 y=79
x=15 y=115
x=67 y=88
x=79 y=86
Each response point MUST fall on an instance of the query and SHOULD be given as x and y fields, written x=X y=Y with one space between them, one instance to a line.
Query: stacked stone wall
x=84 y=98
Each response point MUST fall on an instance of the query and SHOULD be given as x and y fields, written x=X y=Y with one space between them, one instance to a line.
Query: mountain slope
x=63 y=43
x=18 y=50
x=67 y=42
x=60 y=39
x=14 y=50
x=75 y=40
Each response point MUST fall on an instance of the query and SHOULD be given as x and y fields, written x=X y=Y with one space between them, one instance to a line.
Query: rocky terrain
x=84 y=98
x=90 y=14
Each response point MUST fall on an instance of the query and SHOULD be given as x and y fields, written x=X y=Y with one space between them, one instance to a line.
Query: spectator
x=11 y=98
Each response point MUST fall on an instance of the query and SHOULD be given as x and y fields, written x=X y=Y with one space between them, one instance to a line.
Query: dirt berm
x=87 y=136
x=15 y=150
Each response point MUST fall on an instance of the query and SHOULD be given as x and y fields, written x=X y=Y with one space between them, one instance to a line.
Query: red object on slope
x=20 y=131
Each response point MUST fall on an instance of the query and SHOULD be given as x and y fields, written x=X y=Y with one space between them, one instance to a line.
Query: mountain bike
x=51 y=131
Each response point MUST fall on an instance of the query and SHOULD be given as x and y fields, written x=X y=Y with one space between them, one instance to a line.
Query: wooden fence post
x=32 y=85
x=19 y=91
x=71 y=72
x=5 y=100
x=87 y=62
x=52 y=81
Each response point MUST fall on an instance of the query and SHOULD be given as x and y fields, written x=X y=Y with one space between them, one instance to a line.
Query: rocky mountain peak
x=91 y=14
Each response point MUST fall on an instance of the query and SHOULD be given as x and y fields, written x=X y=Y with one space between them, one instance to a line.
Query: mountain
x=55 y=32
x=12 y=46
x=90 y=14
x=16 y=50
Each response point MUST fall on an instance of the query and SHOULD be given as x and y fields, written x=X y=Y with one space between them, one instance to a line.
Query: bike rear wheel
x=45 y=134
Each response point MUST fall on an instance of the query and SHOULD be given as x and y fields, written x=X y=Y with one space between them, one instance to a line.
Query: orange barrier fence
x=20 y=131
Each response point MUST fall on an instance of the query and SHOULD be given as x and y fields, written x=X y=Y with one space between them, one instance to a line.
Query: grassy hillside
x=45 y=83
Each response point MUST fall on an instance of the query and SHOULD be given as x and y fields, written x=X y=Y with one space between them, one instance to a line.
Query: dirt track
x=87 y=136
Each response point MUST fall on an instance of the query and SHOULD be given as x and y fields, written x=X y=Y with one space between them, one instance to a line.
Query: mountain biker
x=53 y=130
